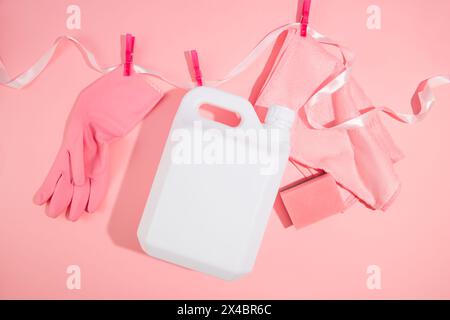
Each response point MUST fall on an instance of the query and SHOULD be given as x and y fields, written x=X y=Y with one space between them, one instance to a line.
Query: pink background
x=410 y=242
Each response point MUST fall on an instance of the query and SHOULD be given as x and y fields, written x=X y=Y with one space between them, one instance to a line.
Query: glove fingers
x=79 y=201
x=76 y=155
x=61 y=197
x=99 y=186
x=46 y=190
x=99 y=180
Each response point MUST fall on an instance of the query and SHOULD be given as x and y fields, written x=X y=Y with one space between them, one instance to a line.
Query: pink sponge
x=313 y=200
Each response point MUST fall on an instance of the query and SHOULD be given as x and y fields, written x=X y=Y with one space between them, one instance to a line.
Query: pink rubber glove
x=107 y=109
x=360 y=160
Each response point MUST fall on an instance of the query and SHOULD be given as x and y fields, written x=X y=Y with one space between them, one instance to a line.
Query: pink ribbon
x=422 y=100
x=423 y=97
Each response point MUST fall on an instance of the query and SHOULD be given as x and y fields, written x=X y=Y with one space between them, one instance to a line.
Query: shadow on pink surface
x=144 y=160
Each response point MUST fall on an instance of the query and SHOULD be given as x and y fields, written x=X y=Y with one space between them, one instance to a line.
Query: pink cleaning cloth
x=360 y=160
x=106 y=110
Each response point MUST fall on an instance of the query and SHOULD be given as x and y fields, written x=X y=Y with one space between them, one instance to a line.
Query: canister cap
x=281 y=116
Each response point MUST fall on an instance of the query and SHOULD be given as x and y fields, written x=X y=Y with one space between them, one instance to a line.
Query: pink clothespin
x=305 y=17
x=129 y=48
x=196 y=67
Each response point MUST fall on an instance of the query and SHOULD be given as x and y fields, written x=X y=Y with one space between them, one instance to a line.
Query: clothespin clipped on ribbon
x=305 y=17
x=196 y=67
x=129 y=49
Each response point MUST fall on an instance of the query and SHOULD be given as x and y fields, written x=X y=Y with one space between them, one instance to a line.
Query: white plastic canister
x=211 y=217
